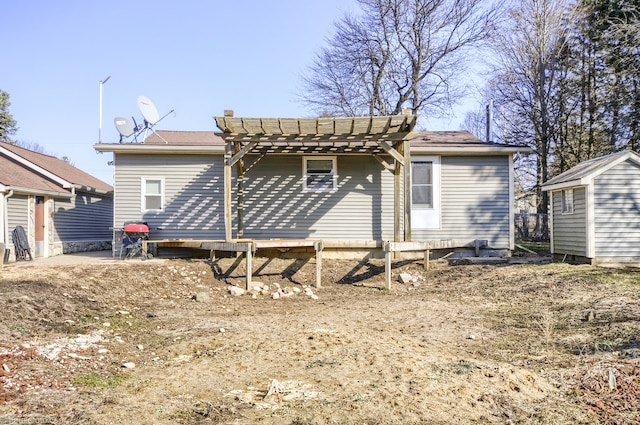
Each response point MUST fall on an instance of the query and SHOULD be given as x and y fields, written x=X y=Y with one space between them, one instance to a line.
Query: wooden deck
x=246 y=246
x=249 y=246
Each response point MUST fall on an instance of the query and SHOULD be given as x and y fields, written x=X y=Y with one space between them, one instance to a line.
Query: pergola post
x=240 y=190
x=397 y=187
x=406 y=146
x=227 y=191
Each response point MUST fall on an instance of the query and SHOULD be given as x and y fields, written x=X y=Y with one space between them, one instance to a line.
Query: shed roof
x=583 y=173
x=27 y=169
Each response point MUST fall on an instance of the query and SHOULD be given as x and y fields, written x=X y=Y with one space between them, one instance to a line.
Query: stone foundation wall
x=78 y=246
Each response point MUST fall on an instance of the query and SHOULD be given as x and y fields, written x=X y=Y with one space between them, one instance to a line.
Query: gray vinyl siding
x=277 y=206
x=85 y=217
x=570 y=230
x=474 y=201
x=617 y=211
x=193 y=194
x=18 y=213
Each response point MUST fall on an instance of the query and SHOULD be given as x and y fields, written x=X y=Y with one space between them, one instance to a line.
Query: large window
x=152 y=194
x=319 y=172
x=567 y=201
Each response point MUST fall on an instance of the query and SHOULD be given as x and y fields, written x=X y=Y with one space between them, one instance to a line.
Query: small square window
x=567 y=201
x=152 y=194
x=319 y=173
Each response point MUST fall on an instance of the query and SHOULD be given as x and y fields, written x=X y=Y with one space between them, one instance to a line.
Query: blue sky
x=195 y=57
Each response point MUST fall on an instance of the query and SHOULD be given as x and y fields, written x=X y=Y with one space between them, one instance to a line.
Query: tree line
x=562 y=75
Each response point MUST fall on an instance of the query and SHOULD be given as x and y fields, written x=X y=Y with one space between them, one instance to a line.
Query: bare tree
x=527 y=76
x=399 y=54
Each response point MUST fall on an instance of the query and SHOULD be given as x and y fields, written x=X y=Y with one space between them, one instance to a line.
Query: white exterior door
x=425 y=192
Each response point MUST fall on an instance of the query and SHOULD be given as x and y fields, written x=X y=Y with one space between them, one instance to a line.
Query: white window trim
x=334 y=170
x=143 y=194
x=433 y=221
x=563 y=195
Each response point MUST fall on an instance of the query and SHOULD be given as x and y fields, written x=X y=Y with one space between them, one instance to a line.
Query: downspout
x=5 y=218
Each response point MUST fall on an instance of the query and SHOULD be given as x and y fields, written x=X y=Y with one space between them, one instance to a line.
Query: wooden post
x=387 y=265
x=426 y=260
x=396 y=199
x=318 y=246
x=406 y=146
x=247 y=255
x=227 y=191
x=240 y=190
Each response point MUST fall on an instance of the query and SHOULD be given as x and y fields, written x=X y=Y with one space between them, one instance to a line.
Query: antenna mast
x=100 y=124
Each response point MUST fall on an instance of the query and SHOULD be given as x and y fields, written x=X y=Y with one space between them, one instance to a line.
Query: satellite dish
x=128 y=128
x=125 y=127
x=148 y=110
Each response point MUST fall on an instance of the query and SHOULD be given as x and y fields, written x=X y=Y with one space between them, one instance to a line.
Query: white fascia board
x=565 y=185
x=89 y=189
x=161 y=149
x=28 y=191
x=62 y=182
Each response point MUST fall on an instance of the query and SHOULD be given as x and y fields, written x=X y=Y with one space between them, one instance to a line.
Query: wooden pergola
x=385 y=138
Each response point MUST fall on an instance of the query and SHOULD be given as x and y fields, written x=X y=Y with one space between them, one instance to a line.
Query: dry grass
x=548 y=343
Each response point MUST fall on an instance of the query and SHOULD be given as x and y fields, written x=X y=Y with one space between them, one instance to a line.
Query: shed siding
x=474 y=199
x=86 y=217
x=617 y=211
x=18 y=213
x=193 y=194
x=277 y=206
x=570 y=230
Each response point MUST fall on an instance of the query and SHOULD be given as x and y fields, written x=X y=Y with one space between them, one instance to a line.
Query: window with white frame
x=425 y=192
x=567 y=201
x=152 y=193
x=319 y=172
x=422 y=183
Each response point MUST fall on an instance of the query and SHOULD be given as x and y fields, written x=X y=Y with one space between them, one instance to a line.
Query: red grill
x=131 y=228
x=133 y=233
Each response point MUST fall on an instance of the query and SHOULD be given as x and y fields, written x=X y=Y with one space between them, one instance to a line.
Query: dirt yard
x=165 y=342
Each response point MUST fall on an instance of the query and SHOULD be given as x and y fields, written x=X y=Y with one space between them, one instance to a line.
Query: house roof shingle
x=184 y=138
x=460 y=142
x=14 y=173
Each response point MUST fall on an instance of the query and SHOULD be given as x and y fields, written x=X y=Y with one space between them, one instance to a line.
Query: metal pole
x=490 y=122
x=100 y=125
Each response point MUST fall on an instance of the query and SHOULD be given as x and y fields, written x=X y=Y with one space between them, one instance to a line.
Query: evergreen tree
x=7 y=123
